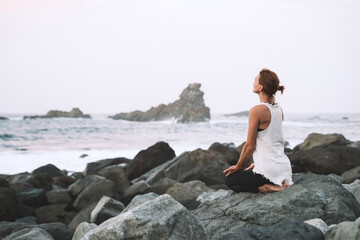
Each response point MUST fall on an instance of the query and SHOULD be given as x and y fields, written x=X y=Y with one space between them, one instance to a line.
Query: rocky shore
x=74 y=113
x=158 y=195
x=189 y=108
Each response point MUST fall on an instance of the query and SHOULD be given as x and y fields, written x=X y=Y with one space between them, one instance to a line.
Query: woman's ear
x=261 y=87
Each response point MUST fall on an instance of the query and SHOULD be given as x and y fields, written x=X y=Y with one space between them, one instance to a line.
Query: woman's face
x=256 y=86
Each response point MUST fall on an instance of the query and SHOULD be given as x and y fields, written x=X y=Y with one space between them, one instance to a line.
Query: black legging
x=246 y=181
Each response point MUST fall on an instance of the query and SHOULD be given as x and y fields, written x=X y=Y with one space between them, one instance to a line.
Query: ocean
x=28 y=144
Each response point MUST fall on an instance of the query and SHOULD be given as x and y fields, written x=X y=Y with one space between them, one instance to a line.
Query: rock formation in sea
x=3 y=118
x=74 y=113
x=189 y=108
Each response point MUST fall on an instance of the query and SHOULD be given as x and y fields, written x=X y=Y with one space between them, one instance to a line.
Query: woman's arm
x=249 y=147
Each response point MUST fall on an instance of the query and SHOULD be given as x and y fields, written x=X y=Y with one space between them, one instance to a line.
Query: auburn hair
x=270 y=82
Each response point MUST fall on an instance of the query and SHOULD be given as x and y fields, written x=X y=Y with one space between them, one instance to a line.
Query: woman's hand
x=250 y=167
x=231 y=170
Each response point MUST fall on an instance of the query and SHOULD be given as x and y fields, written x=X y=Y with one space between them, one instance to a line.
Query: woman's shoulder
x=258 y=108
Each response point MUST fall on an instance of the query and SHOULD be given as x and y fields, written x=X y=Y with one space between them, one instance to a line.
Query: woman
x=271 y=170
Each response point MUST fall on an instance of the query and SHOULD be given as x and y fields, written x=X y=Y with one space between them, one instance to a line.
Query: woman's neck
x=266 y=99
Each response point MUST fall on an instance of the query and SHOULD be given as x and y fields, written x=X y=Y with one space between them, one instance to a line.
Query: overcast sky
x=111 y=56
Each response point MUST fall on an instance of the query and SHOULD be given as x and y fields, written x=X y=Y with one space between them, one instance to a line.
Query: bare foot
x=267 y=188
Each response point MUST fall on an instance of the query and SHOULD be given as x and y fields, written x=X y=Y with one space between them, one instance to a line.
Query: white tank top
x=269 y=157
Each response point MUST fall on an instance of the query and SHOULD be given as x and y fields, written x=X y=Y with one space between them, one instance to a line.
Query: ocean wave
x=6 y=137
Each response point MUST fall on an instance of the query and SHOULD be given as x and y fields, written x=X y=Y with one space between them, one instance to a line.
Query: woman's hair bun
x=281 y=89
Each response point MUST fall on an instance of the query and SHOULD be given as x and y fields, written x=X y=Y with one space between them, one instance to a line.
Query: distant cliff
x=75 y=113
x=189 y=108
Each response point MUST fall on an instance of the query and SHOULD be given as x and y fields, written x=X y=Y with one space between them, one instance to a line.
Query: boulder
x=327 y=159
x=161 y=218
x=211 y=196
x=190 y=204
x=318 y=139
x=4 y=183
x=94 y=192
x=77 y=187
x=354 y=188
x=140 y=199
x=140 y=187
x=25 y=211
x=82 y=229
x=58 y=196
x=41 y=180
x=162 y=185
x=354 y=144
x=311 y=196
x=74 y=113
x=30 y=220
x=116 y=174
x=53 y=213
x=204 y=165
x=30 y=234
x=21 y=187
x=34 y=197
x=189 y=190
x=6 y=228
x=50 y=169
x=345 y=230
x=82 y=216
x=8 y=204
x=147 y=159
x=285 y=229
x=319 y=224
x=189 y=108
x=58 y=230
x=105 y=209
x=63 y=182
x=3 y=118
x=95 y=167
x=228 y=150
x=351 y=175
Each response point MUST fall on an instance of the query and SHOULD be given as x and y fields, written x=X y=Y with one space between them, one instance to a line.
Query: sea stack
x=74 y=113
x=189 y=108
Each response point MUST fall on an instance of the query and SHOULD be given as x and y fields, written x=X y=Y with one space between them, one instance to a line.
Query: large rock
x=228 y=150
x=147 y=159
x=94 y=192
x=327 y=159
x=345 y=230
x=95 y=167
x=161 y=218
x=206 y=166
x=311 y=196
x=318 y=139
x=82 y=216
x=77 y=187
x=54 y=213
x=189 y=190
x=105 y=209
x=351 y=175
x=30 y=234
x=34 y=197
x=50 y=169
x=3 y=118
x=189 y=108
x=82 y=229
x=319 y=224
x=285 y=229
x=8 y=204
x=354 y=188
x=116 y=174
x=140 y=199
x=58 y=196
x=162 y=185
x=74 y=113
x=140 y=187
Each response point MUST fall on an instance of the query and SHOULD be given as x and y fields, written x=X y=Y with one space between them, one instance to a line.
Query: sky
x=111 y=56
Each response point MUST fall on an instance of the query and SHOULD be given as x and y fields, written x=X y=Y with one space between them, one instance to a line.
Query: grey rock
x=58 y=230
x=30 y=220
x=94 y=192
x=105 y=209
x=21 y=187
x=53 y=213
x=290 y=229
x=8 y=204
x=189 y=108
x=140 y=187
x=327 y=159
x=311 y=196
x=25 y=211
x=74 y=113
x=354 y=144
x=354 y=188
x=95 y=167
x=149 y=158
x=189 y=190
x=228 y=150
x=162 y=185
x=140 y=199
x=58 y=196
x=345 y=230
x=50 y=169
x=34 y=197
x=318 y=139
x=351 y=175
x=116 y=174
x=30 y=234
x=319 y=224
x=161 y=218
x=3 y=118
x=77 y=187
x=337 y=178
x=4 y=183
x=82 y=216
x=211 y=196
x=82 y=229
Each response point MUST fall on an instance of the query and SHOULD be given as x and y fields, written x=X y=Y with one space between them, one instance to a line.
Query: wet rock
x=147 y=159
x=105 y=209
x=161 y=218
x=189 y=108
